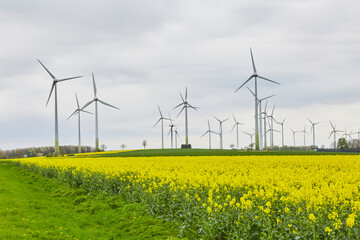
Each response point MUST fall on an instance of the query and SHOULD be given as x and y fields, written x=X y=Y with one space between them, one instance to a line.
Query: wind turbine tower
x=171 y=131
x=305 y=132
x=313 y=130
x=256 y=76
x=162 y=126
x=209 y=131
x=220 y=131
x=237 y=131
x=294 y=132
x=260 y=117
x=186 y=105
x=96 y=100
x=54 y=88
x=334 y=132
x=77 y=111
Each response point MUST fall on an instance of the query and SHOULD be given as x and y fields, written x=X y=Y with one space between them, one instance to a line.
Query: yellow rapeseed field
x=313 y=196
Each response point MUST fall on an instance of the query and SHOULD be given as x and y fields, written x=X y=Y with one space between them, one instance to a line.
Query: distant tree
x=232 y=146
x=3 y=154
x=342 y=144
x=103 y=147
x=30 y=152
x=123 y=146
x=144 y=143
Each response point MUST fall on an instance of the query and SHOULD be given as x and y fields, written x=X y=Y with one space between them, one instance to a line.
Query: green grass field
x=203 y=152
x=34 y=207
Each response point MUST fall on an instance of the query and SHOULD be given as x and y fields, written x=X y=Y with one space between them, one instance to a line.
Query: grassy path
x=33 y=207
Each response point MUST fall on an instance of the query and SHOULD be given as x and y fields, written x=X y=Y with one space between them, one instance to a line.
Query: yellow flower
x=312 y=217
x=350 y=221
x=328 y=230
x=268 y=204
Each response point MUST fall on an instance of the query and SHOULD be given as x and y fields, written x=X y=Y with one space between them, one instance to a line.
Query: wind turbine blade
x=95 y=91
x=265 y=106
x=87 y=104
x=268 y=79
x=47 y=70
x=216 y=118
x=247 y=133
x=186 y=94
x=182 y=97
x=332 y=125
x=233 y=127
x=178 y=105
x=107 y=104
x=272 y=112
x=251 y=91
x=65 y=79
x=157 y=122
x=52 y=88
x=330 y=134
x=267 y=97
x=77 y=101
x=195 y=108
x=245 y=82
x=205 y=133
x=234 y=117
x=180 y=112
x=73 y=114
x=160 y=111
x=86 y=112
x=225 y=120
x=252 y=60
x=209 y=124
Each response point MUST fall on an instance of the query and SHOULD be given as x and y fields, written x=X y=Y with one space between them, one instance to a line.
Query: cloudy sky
x=144 y=52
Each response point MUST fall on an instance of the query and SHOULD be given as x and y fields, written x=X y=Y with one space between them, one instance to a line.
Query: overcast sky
x=144 y=52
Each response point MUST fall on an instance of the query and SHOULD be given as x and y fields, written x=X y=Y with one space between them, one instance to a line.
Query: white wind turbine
x=186 y=105
x=305 y=132
x=271 y=124
x=96 y=100
x=294 y=132
x=176 y=136
x=209 y=131
x=220 y=131
x=54 y=88
x=334 y=132
x=171 y=131
x=265 y=131
x=255 y=76
x=251 y=137
x=237 y=131
x=260 y=117
x=162 y=118
x=348 y=135
x=77 y=111
x=282 y=131
x=313 y=130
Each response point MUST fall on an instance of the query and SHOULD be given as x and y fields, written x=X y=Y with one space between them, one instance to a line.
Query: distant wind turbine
x=294 y=132
x=251 y=137
x=77 y=111
x=271 y=117
x=54 y=86
x=255 y=76
x=96 y=100
x=313 y=130
x=334 y=132
x=282 y=131
x=220 y=131
x=260 y=117
x=162 y=118
x=209 y=131
x=237 y=131
x=186 y=105
x=348 y=135
x=176 y=136
x=171 y=131
x=305 y=132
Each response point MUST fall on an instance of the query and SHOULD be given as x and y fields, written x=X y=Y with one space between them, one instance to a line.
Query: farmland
x=225 y=197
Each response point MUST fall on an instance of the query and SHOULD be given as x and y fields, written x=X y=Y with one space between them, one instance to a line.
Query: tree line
x=42 y=151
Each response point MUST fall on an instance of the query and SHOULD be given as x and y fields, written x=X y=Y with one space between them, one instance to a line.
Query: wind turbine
x=251 y=137
x=237 y=131
x=176 y=136
x=186 y=105
x=162 y=127
x=96 y=100
x=265 y=132
x=313 y=130
x=220 y=131
x=54 y=86
x=282 y=131
x=348 y=135
x=271 y=117
x=77 y=111
x=294 y=132
x=171 y=130
x=255 y=76
x=334 y=132
x=209 y=131
x=260 y=116
x=305 y=132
